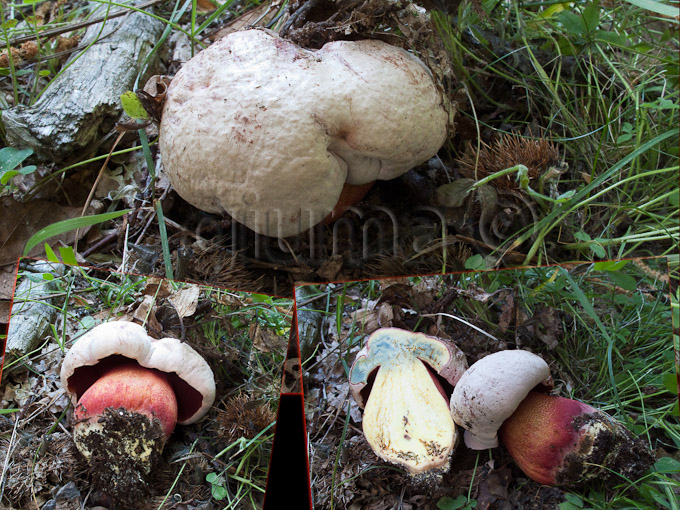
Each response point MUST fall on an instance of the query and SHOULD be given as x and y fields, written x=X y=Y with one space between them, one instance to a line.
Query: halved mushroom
x=128 y=391
x=406 y=410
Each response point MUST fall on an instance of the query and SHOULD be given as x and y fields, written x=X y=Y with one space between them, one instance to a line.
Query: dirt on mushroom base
x=343 y=467
x=117 y=468
x=628 y=457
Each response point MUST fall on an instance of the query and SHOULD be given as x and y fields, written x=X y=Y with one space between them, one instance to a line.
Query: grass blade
x=72 y=224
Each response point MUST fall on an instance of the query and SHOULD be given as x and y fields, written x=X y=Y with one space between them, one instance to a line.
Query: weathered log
x=32 y=310
x=81 y=105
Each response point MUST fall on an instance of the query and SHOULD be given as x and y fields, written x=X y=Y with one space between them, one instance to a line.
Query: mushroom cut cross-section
x=406 y=417
x=270 y=133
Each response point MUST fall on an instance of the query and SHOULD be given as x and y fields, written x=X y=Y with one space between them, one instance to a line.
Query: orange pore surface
x=541 y=432
x=135 y=388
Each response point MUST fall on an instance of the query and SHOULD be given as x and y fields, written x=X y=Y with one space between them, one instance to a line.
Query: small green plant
x=475 y=262
x=10 y=164
x=573 y=502
x=133 y=106
x=67 y=254
x=218 y=488
x=71 y=224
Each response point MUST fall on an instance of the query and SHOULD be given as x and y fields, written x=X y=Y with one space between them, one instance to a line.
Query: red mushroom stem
x=134 y=388
x=559 y=441
x=350 y=195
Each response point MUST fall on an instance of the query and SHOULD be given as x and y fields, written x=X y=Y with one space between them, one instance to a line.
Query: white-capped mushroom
x=114 y=342
x=269 y=132
x=554 y=440
x=406 y=417
x=490 y=391
x=129 y=390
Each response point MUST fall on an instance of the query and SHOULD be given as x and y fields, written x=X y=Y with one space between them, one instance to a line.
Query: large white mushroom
x=271 y=133
x=490 y=391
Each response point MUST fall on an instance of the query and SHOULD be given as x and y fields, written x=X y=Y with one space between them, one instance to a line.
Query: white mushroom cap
x=269 y=132
x=490 y=391
x=109 y=342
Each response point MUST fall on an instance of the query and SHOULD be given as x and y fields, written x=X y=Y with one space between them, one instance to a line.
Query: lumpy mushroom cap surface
x=268 y=132
x=406 y=416
x=110 y=342
x=490 y=391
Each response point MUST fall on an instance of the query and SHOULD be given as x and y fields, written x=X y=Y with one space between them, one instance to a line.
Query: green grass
x=615 y=352
x=602 y=82
x=222 y=326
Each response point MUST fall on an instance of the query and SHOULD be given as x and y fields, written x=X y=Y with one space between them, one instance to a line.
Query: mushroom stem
x=128 y=413
x=559 y=441
x=350 y=195
x=134 y=388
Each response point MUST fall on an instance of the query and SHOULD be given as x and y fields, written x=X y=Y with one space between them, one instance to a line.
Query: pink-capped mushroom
x=128 y=391
x=554 y=440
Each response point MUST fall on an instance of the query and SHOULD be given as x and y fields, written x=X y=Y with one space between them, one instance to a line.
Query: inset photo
x=122 y=391
x=530 y=388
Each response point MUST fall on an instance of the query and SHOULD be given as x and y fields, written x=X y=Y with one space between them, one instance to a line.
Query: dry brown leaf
x=258 y=16
x=548 y=326
x=7 y=279
x=369 y=319
x=4 y=311
x=330 y=268
x=507 y=313
x=144 y=314
x=424 y=292
x=19 y=221
x=476 y=292
x=185 y=300
x=493 y=487
x=158 y=287
x=545 y=325
x=266 y=340
x=388 y=282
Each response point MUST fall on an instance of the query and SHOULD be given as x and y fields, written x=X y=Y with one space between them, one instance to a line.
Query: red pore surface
x=137 y=389
x=542 y=432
